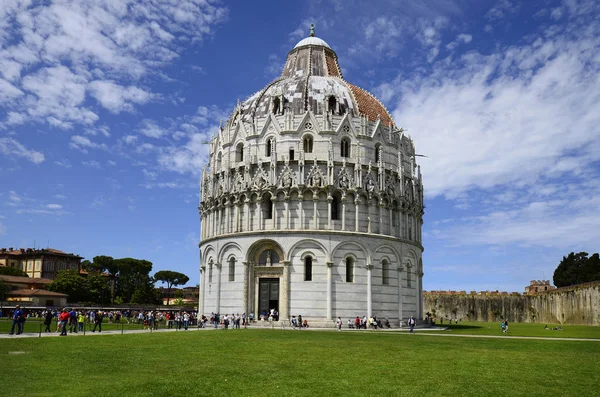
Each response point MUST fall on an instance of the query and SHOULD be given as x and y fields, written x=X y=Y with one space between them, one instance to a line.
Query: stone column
x=202 y=289
x=301 y=214
x=273 y=214
x=236 y=228
x=227 y=211
x=400 y=297
x=287 y=211
x=284 y=303
x=260 y=217
x=343 y=214
x=315 y=201
x=329 y=293
x=381 y=207
x=356 y=202
x=391 y=213
x=329 y=200
x=245 y=293
x=218 y=298
x=247 y=213
x=369 y=290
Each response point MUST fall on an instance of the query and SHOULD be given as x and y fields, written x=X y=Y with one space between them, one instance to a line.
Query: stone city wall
x=569 y=305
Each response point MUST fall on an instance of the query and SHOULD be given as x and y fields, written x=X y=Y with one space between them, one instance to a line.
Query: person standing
x=186 y=320
x=63 y=318
x=98 y=321
x=48 y=320
x=17 y=314
x=300 y=321
x=411 y=323
x=339 y=323
x=72 y=321
x=80 y=321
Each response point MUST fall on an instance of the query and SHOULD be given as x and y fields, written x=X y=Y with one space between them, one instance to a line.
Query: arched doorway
x=268 y=279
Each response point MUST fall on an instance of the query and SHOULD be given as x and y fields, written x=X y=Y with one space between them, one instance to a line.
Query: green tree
x=133 y=276
x=576 y=269
x=71 y=283
x=12 y=271
x=97 y=287
x=171 y=278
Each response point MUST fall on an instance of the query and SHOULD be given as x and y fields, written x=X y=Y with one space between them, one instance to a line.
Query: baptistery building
x=312 y=202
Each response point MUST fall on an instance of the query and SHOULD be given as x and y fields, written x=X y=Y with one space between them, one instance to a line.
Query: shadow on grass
x=459 y=327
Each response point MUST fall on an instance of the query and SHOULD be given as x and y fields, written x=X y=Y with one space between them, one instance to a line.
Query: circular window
x=346 y=128
x=308 y=126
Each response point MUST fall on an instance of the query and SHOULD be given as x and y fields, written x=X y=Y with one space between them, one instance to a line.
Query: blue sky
x=105 y=105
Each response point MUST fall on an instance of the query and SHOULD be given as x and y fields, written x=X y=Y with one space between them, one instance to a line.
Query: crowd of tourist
x=71 y=320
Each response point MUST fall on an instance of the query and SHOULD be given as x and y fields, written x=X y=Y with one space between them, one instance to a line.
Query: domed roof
x=312 y=80
x=312 y=41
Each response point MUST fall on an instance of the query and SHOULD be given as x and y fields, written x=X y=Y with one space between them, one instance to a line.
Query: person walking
x=411 y=323
x=63 y=318
x=17 y=315
x=339 y=323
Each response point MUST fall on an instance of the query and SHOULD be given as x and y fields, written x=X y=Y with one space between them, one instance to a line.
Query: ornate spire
x=312 y=30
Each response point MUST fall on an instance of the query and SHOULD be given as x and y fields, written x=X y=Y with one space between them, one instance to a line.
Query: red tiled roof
x=370 y=106
x=24 y=280
x=35 y=292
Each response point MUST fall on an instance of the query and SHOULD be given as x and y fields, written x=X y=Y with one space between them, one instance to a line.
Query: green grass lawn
x=524 y=329
x=311 y=363
x=33 y=325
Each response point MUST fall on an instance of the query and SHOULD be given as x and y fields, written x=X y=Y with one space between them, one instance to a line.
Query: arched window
x=377 y=153
x=268 y=147
x=408 y=276
x=332 y=104
x=345 y=147
x=267 y=207
x=239 y=152
x=385 y=272
x=210 y=271
x=291 y=154
x=308 y=144
x=308 y=268
x=349 y=270
x=219 y=162
x=335 y=207
x=276 y=106
x=231 y=269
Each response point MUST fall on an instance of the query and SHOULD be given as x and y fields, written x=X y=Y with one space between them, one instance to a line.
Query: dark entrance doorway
x=268 y=295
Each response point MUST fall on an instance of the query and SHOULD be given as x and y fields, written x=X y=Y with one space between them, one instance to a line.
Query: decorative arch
x=294 y=247
x=228 y=246
x=354 y=244
x=256 y=249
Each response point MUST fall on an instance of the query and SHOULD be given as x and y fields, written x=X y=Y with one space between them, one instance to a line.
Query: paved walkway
x=419 y=332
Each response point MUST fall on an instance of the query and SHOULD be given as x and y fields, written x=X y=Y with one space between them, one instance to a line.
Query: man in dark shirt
x=48 y=320
x=98 y=321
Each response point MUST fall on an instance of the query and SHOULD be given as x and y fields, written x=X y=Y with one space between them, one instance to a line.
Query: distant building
x=28 y=291
x=40 y=263
x=536 y=286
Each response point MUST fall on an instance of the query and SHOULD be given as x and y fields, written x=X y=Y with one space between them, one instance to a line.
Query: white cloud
x=117 y=98
x=54 y=206
x=83 y=143
x=484 y=120
x=57 y=53
x=11 y=147
x=189 y=158
x=92 y=164
x=151 y=129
